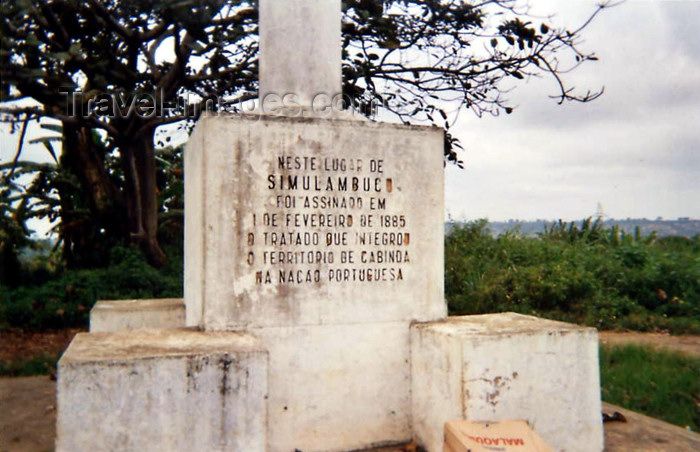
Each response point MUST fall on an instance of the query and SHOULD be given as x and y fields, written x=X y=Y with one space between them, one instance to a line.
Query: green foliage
x=66 y=298
x=40 y=365
x=661 y=384
x=19 y=203
x=588 y=274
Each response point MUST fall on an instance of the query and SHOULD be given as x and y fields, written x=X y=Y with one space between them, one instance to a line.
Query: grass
x=39 y=365
x=659 y=383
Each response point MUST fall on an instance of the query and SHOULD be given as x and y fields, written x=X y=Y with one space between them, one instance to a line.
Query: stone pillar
x=300 y=44
x=324 y=238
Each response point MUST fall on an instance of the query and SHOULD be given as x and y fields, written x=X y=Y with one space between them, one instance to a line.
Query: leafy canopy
x=419 y=60
x=416 y=57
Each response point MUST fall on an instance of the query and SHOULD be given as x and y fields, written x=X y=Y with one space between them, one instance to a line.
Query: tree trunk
x=84 y=158
x=141 y=192
x=129 y=214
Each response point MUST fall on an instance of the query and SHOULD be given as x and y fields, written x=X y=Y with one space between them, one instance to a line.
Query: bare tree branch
x=19 y=145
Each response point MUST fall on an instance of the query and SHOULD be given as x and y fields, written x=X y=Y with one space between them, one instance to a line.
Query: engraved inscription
x=328 y=220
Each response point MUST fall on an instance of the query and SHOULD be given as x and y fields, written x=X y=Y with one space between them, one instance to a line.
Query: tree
x=67 y=54
x=93 y=64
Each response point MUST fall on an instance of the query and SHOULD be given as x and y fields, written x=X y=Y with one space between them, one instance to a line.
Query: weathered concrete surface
x=174 y=390
x=338 y=387
x=288 y=219
x=507 y=366
x=28 y=415
x=120 y=315
x=276 y=210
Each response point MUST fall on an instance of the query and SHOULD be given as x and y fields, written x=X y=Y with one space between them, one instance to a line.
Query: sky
x=635 y=151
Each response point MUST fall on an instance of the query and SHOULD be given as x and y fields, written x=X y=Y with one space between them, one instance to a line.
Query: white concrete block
x=310 y=222
x=507 y=366
x=162 y=390
x=338 y=387
x=120 y=315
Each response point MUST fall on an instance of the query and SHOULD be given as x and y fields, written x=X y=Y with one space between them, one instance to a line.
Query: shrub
x=39 y=365
x=586 y=274
x=65 y=300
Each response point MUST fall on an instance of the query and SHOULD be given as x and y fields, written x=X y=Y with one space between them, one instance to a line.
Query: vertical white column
x=300 y=49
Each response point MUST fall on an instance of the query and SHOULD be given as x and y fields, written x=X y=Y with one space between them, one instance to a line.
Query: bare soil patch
x=686 y=343
x=645 y=434
x=17 y=344
x=27 y=414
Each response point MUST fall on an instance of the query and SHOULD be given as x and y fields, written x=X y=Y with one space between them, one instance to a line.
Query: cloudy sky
x=635 y=150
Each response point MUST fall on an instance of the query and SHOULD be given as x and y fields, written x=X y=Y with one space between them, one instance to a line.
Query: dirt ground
x=28 y=411
x=27 y=414
x=685 y=344
x=16 y=344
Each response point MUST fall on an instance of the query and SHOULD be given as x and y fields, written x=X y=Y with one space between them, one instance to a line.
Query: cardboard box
x=489 y=436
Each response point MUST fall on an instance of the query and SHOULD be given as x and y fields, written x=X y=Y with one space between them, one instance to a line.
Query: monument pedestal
x=324 y=239
x=307 y=221
x=321 y=242
x=507 y=366
x=173 y=390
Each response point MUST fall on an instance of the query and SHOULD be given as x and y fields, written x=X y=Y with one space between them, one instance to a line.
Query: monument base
x=507 y=366
x=175 y=390
x=334 y=387
x=121 y=315
x=338 y=387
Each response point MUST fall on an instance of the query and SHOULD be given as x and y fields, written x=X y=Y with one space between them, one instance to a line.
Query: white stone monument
x=314 y=293
x=322 y=237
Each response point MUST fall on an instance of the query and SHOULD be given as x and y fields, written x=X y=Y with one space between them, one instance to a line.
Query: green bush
x=588 y=274
x=39 y=365
x=66 y=299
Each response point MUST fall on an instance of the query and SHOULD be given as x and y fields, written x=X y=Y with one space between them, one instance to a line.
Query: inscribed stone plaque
x=309 y=222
